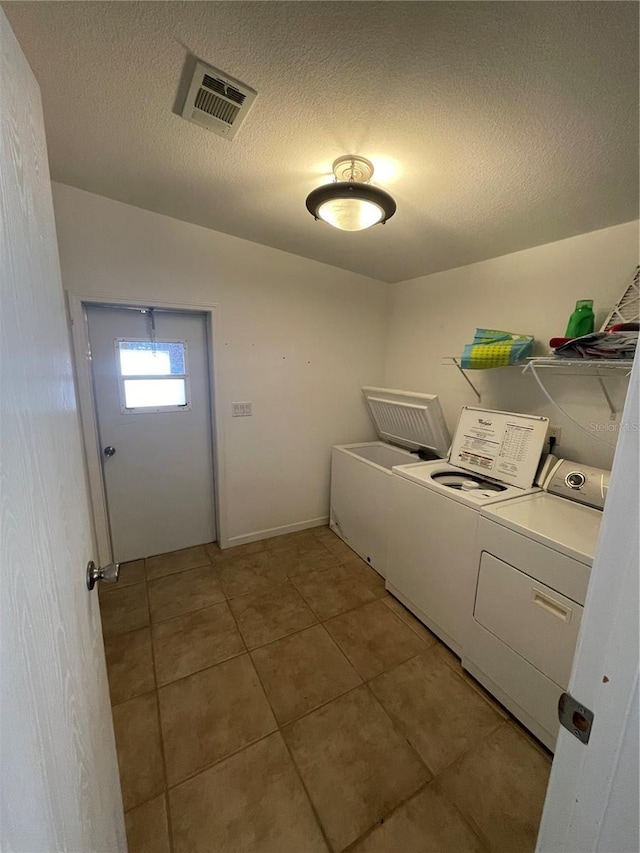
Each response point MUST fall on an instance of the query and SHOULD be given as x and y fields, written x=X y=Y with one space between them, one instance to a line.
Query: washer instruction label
x=503 y=445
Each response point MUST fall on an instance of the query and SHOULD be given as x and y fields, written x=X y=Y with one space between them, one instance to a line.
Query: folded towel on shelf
x=598 y=345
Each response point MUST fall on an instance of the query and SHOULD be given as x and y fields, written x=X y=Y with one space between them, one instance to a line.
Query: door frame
x=81 y=346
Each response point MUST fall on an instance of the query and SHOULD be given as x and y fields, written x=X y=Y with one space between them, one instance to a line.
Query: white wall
x=299 y=339
x=530 y=292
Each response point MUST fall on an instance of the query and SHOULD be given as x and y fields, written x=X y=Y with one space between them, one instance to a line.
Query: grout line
x=306 y=791
x=476 y=744
x=399 y=732
x=160 y=732
x=179 y=571
x=470 y=821
x=187 y=612
x=409 y=622
x=228 y=755
x=316 y=707
x=341 y=612
x=475 y=685
x=156 y=688
x=293 y=762
x=284 y=636
x=354 y=844
x=280 y=727
x=245 y=651
x=202 y=669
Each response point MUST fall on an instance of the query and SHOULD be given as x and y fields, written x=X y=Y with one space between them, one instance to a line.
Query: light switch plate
x=241 y=410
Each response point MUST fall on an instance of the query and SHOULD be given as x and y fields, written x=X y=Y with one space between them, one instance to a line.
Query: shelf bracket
x=612 y=408
x=577 y=366
x=466 y=379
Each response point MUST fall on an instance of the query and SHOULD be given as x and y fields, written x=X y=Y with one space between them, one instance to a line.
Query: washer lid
x=408 y=419
x=502 y=446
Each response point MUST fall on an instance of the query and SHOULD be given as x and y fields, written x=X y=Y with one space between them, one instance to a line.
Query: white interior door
x=593 y=794
x=151 y=383
x=59 y=782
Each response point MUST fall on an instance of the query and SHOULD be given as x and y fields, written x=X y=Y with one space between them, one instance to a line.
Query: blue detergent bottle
x=581 y=322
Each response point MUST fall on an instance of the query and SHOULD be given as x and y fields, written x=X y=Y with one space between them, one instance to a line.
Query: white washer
x=406 y=423
x=434 y=512
x=534 y=556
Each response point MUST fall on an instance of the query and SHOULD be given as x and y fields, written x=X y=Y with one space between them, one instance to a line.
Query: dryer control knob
x=575 y=480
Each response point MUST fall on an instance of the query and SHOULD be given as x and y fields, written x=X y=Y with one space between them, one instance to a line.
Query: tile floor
x=274 y=698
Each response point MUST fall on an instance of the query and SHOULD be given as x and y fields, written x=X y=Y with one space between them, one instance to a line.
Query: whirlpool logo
x=484 y=423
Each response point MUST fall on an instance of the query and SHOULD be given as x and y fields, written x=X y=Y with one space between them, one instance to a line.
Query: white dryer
x=434 y=512
x=534 y=557
x=407 y=424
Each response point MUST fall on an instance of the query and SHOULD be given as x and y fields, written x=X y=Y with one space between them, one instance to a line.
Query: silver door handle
x=108 y=574
x=109 y=450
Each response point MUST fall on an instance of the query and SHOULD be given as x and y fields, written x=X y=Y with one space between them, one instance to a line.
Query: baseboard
x=257 y=535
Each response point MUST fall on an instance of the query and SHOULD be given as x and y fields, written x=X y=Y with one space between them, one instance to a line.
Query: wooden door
x=60 y=786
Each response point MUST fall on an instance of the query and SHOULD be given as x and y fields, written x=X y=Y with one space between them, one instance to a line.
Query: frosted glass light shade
x=350 y=205
x=350 y=214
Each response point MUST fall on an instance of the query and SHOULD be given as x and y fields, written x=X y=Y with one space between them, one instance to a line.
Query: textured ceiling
x=496 y=125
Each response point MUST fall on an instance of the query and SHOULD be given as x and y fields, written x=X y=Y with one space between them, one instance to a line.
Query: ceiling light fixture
x=350 y=203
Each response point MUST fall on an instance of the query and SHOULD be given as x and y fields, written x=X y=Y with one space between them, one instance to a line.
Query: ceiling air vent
x=217 y=101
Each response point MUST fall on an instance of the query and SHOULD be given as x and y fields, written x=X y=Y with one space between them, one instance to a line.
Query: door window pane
x=152 y=393
x=152 y=376
x=144 y=358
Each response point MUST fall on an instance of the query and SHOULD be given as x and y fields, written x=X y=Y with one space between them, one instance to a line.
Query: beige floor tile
x=211 y=714
x=137 y=732
x=177 y=561
x=214 y=551
x=303 y=671
x=297 y=539
x=218 y=555
x=337 y=546
x=147 y=827
x=323 y=532
x=456 y=664
x=354 y=764
x=185 y=644
x=436 y=710
x=368 y=575
x=299 y=559
x=184 y=592
x=124 y=609
x=252 y=573
x=409 y=619
x=428 y=823
x=332 y=591
x=252 y=801
x=133 y=572
x=373 y=638
x=266 y=616
x=129 y=664
x=531 y=739
x=500 y=787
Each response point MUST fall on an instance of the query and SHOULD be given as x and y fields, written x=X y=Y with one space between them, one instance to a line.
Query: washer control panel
x=577 y=482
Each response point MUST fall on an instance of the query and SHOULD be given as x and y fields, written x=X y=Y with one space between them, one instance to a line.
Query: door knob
x=109 y=450
x=108 y=574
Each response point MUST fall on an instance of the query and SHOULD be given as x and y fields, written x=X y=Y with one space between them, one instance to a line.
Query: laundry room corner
x=528 y=292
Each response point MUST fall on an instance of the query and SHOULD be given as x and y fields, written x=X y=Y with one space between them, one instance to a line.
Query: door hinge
x=575 y=717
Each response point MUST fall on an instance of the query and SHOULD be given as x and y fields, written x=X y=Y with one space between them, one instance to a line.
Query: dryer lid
x=408 y=419
x=502 y=446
